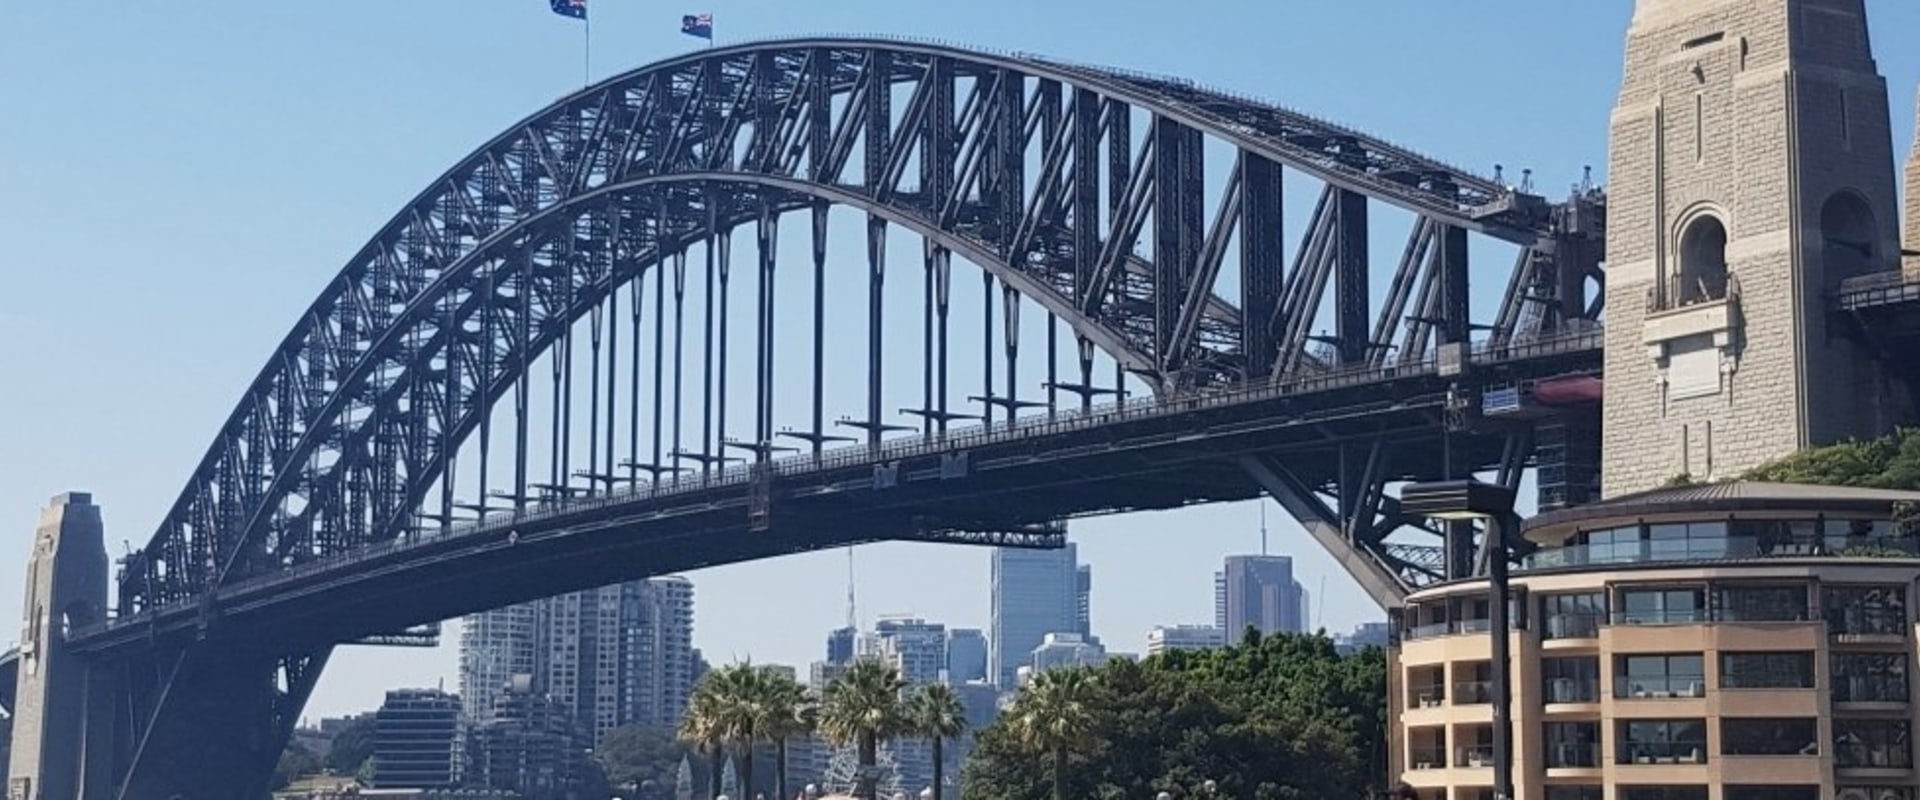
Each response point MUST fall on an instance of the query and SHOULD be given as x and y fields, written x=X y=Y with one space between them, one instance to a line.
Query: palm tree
x=787 y=712
x=1054 y=715
x=704 y=727
x=862 y=707
x=936 y=713
x=738 y=701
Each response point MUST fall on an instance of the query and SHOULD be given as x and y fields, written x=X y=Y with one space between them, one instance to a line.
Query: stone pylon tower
x=66 y=587
x=1751 y=170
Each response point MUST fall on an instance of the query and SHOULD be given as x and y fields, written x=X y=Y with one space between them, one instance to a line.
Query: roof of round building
x=1732 y=496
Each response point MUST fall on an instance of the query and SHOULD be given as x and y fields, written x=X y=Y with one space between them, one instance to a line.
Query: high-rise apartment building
x=1035 y=592
x=914 y=646
x=611 y=656
x=1257 y=592
x=966 y=655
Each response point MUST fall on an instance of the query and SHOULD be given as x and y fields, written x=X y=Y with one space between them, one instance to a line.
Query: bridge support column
x=63 y=715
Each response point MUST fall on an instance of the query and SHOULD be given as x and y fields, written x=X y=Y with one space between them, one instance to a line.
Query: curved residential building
x=1740 y=641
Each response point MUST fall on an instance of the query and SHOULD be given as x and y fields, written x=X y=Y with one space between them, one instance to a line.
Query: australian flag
x=700 y=25
x=576 y=9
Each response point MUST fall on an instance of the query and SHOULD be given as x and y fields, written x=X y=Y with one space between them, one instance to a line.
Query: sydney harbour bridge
x=529 y=381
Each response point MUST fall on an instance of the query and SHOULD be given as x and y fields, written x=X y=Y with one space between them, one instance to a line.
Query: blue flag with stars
x=576 y=9
x=700 y=25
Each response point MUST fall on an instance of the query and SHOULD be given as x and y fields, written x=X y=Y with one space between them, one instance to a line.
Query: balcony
x=1572 y=626
x=1572 y=690
x=1721 y=548
x=1429 y=696
x=1668 y=616
x=1480 y=755
x=1655 y=687
x=1424 y=758
x=1573 y=756
x=1663 y=752
x=1472 y=693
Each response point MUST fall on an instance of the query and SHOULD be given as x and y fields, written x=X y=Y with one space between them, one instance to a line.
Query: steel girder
x=333 y=441
x=441 y=316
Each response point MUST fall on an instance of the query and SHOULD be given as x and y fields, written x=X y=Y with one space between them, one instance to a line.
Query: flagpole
x=586 y=50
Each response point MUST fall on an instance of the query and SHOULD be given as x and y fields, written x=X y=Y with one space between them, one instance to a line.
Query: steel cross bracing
x=581 y=232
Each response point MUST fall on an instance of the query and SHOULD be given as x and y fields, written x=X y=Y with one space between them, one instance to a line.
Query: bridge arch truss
x=1082 y=191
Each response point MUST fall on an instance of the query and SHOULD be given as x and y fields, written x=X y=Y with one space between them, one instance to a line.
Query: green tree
x=633 y=755
x=704 y=727
x=352 y=746
x=1271 y=718
x=863 y=707
x=788 y=712
x=1054 y=716
x=1888 y=462
x=295 y=762
x=935 y=712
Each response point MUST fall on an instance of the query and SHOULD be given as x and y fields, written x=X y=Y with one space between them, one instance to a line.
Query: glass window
x=1760 y=603
x=1663 y=793
x=1769 y=737
x=1661 y=676
x=1772 y=793
x=1573 y=745
x=1783 y=670
x=1663 y=741
x=1572 y=616
x=1870 y=677
x=1667 y=606
x=1866 y=610
x=1570 y=680
x=1872 y=743
x=1575 y=793
x=1614 y=545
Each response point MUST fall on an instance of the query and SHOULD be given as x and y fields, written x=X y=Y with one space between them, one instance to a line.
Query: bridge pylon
x=63 y=714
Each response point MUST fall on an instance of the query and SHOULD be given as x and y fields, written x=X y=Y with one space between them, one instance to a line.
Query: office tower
x=413 y=739
x=840 y=645
x=1184 y=637
x=611 y=656
x=1260 y=593
x=1084 y=582
x=915 y=647
x=1302 y=608
x=1035 y=592
x=1220 y=600
x=966 y=655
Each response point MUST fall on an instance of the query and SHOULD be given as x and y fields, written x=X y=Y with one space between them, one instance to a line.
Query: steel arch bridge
x=1141 y=213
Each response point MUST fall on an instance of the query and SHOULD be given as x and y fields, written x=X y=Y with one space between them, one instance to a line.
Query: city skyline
x=129 y=424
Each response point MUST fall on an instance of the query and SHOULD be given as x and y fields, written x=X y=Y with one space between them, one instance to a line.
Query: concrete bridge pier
x=63 y=707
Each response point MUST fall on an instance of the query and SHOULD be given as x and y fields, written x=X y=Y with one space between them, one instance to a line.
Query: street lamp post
x=1468 y=500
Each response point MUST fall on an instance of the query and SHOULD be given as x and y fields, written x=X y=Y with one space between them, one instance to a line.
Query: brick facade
x=1765 y=115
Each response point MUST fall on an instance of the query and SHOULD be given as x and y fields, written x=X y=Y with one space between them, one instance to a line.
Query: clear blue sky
x=180 y=178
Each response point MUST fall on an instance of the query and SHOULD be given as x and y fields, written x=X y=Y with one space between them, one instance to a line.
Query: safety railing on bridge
x=1051 y=422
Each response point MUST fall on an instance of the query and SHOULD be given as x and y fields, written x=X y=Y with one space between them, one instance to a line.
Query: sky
x=181 y=178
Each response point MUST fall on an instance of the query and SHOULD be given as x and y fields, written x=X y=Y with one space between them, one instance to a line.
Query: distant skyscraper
x=1260 y=593
x=840 y=643
x=915 y=647
x=1183 y=637
x=611 y=656
x=966 y=655
x=1084 y=582
x=1035 y=592
x=1303 y=608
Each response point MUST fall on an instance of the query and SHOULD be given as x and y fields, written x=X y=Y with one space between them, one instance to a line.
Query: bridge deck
x=1132 y=456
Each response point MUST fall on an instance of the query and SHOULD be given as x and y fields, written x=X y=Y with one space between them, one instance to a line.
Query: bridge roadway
x=962 y=488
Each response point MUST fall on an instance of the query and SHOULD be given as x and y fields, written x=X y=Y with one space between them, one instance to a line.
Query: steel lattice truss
x=1040 y=172
x=439 y=316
